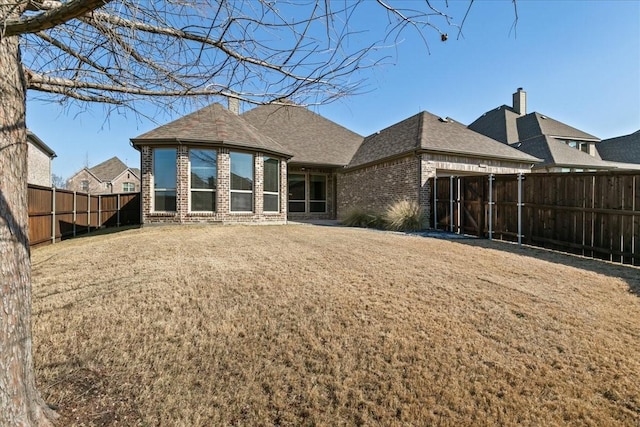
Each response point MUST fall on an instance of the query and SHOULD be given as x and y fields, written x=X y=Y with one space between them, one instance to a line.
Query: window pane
x=165 y=201
x=164 y=167
x=241 y=171
x=271 y=175
x=203 y=201
x=317 y=206
x=296 y=188
x=241 y=202
x=296 y=206
x=317 y=187
x=203 y=168
x=271 y=203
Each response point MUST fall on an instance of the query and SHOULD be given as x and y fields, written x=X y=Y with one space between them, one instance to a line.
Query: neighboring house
x=624 y=150
x=561 y=147
x=39 y=161
x=279 y=162
x=111 y=176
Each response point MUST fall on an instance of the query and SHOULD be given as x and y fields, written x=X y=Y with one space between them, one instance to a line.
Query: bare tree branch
x=51 y=18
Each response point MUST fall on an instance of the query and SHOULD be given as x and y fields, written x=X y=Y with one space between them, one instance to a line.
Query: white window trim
x=204 y=190
x=253 y=185
x=271 y=193
x=153 y=180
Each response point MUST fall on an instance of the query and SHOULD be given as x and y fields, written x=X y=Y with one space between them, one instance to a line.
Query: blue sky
x=578 y=61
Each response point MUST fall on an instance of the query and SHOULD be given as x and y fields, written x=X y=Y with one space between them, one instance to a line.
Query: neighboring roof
x=499 y=124
x=535 y=124
x=211 y=125
x=539 y=136
x=624 y=149
x=108 y=170
x=40 y=144
x=557 y=153
x=427 y=132
x=311 y=138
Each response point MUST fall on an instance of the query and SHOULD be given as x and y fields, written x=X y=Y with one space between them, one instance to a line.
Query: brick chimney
x=233 y=105
x=520 y=102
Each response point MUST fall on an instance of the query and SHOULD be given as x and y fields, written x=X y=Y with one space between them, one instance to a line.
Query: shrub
x=405 y=215
x=358 y=217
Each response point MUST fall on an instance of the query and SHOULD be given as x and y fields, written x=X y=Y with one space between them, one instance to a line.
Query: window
x=271 y=202
x=128 y=187
x=84 y=185
x=307 y=193
x=241 y=182
x=164 y=179
x=297 y=193
x=578 y=145
x=317 y=193
x=204 y=172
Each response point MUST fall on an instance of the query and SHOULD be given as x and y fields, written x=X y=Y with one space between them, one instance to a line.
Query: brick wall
x=375 y=187
x=95 y=186
x=222 y=214
x=38 y=167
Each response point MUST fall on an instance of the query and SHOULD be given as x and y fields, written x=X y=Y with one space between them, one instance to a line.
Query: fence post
x=435 y=202
x=88 y=213
x=459 y=204
x=118 y=211
x=491 y=203
x=99 y=210
x=75 y=212
x=451 y=203
x=520 y=179
x=53 y=214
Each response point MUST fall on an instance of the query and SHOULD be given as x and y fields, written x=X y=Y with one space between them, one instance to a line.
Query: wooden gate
x=460 y=205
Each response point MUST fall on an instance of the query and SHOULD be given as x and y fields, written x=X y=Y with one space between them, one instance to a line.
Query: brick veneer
x=222 y=214
x=375 y=187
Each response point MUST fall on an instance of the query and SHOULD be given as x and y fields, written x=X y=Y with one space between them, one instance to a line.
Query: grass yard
x=323 y=326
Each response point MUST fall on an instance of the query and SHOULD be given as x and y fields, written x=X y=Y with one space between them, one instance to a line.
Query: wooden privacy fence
x=55 y=215
x=591 y=214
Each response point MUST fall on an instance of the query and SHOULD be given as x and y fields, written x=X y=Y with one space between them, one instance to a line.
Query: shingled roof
x=540 y=136
x=624 y=149
x=557 y=153
x=429 y=133
x=212 y=125
x=311 y=138
x=108 y=170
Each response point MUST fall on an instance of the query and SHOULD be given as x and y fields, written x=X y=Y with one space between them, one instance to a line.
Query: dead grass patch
x=303 y=325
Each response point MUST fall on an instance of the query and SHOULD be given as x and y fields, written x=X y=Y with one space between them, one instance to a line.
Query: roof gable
x=311 y=138
x=213 y=125
x=427 y=132
x=499 y=124
x=109 y=169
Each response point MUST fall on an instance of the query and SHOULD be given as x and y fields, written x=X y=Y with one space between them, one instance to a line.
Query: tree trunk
x=20 y=402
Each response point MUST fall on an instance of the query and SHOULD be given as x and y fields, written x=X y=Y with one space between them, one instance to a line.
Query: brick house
x=561 y=147
x=280 y=162
x=39 y=159
x=212 y=166
x=109 y=177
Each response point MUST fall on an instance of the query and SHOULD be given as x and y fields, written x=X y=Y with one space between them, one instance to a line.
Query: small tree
x=119 y=53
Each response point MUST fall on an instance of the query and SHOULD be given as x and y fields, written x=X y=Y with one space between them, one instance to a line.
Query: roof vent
x=443 y=119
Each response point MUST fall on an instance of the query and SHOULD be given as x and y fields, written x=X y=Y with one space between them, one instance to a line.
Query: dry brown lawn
x=322 y=326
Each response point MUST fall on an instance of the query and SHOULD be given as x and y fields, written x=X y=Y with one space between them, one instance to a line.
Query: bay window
x=203 y=180
x=241 y=182
x=164 y=179
x=271 y=199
